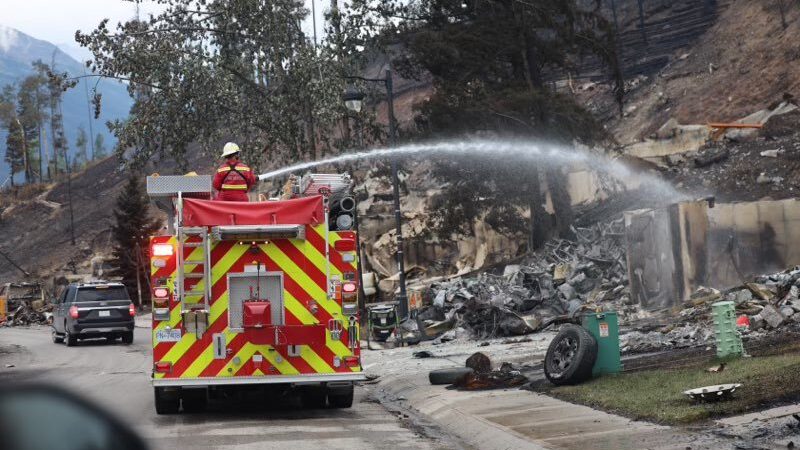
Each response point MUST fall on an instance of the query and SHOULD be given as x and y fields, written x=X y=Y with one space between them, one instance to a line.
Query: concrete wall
x=673 y=251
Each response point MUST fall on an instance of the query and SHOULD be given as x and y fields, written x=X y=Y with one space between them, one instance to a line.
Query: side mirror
x=36 y=417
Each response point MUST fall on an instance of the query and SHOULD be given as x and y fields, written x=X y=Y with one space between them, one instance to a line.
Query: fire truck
x=255 y=295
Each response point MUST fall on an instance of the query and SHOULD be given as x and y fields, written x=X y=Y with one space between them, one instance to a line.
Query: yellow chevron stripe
x=298 y=310
x=205 y=358
x=314 y=360
x=301 y=277
x=247 y=352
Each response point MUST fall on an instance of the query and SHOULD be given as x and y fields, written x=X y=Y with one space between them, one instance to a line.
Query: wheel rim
x=563 y=356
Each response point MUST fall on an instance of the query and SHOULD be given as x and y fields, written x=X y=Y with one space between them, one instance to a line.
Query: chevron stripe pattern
x=304 y=268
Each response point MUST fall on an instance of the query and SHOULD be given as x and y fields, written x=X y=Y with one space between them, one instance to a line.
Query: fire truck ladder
x=194 y=300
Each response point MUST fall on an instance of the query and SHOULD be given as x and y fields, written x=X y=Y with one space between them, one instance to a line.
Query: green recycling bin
x=604 y=326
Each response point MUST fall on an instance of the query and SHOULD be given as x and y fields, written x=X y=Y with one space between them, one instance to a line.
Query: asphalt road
x=116 y=376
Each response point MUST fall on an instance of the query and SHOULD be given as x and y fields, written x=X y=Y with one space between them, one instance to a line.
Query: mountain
x=19 y=50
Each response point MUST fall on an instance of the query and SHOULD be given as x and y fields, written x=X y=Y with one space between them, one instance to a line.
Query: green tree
x=99 y=146
x=31 y=98
x=130 y=233
x=15 y=148
x=205 y=70
x=81 y=144
x=489 y=62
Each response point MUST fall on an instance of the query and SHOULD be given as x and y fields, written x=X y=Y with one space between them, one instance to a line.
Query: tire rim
x=563 y=356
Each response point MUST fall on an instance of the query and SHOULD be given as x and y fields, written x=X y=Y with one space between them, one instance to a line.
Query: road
x=116 y=376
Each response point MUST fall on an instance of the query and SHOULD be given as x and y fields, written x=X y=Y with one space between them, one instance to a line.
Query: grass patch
x=657 y=395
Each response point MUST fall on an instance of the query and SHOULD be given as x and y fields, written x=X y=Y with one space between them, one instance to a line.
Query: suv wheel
x=69 y=339
x=127 y=337
x=56 y=338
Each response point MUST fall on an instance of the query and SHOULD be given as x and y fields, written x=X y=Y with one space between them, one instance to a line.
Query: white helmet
x=229 y=149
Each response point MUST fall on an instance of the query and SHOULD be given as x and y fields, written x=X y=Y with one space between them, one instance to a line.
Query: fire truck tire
x=313 y=398
x=69 y=339
x=56 y=338
x=194 y=400
x=449 y=375
x=167 y=402
x=341 y=399
x=570 y=356
x=127 y=338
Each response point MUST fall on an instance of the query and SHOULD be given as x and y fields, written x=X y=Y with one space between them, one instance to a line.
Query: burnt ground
x=743 y=174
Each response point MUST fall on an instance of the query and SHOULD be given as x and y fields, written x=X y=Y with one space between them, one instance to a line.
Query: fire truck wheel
x=69 y=339
x=194 y=400
x=341 y=399
x=313 y=397
x=56 y=338
x=167 y=402
x=127 y=338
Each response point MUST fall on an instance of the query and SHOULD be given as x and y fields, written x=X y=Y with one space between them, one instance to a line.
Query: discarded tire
x=570 y=356
x=449 y=375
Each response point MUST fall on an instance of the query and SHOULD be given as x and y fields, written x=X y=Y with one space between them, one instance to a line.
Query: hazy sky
x=57 y=20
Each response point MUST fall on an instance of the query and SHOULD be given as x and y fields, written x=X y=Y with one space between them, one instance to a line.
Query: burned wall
x=672 y=251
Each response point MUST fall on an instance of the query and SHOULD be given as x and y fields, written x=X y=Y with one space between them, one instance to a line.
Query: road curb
x=436 y=404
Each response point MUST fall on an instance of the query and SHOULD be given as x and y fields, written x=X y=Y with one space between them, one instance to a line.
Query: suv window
x=100 y=294
x=70 y=294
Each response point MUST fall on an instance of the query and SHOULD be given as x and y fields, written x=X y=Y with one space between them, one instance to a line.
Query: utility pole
x=402 y=299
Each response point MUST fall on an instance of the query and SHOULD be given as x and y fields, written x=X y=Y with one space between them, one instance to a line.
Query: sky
x=57 y=20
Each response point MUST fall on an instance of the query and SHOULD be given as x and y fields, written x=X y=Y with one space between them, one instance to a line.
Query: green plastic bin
x=604 y=326
x=726 y=335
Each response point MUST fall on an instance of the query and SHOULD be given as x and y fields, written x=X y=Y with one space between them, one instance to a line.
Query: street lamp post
x=353 y=100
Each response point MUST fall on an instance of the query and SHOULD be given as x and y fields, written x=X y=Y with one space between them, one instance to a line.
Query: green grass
x=657 y=395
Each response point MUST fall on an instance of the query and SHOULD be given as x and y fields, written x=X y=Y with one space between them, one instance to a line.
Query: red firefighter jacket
x=233 y=182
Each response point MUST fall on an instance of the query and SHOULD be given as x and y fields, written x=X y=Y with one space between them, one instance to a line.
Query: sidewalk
x=517 y=419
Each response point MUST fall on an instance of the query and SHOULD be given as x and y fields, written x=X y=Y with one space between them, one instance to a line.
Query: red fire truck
x=259 y=295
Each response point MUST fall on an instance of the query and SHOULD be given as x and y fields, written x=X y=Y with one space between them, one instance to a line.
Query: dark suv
x=91 y=310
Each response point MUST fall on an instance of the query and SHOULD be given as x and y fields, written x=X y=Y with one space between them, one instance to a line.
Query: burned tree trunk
x=562 y=204
x=539 y=219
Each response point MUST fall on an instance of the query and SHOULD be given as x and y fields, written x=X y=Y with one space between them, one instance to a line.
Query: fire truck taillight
x=73 y=311
x=162 y=250
x=351 y=361
x=349 y=288
x=163 y=367
x=161 y=292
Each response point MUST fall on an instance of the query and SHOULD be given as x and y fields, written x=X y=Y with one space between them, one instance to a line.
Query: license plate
x=168 y=335
x=104 y=313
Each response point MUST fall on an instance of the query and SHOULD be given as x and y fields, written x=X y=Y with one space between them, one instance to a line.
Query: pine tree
x=99 y=147
x=81 y=143
x=15 y=148
x=131 y=235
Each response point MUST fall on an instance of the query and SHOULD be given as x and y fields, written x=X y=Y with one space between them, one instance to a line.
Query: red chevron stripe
x=319 y=243
x=303 y=262
x=216 y=365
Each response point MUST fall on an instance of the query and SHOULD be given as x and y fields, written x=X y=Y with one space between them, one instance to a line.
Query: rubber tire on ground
x=127 y=338
x=449 y=375
x=341 y=399
x=69 y=339
x=166 y=402
x=56 y=338
x=194 y=400
x=314 y=397
x=582 y=361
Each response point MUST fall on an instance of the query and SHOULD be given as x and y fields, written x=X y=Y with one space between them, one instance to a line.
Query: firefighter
x=234 y=179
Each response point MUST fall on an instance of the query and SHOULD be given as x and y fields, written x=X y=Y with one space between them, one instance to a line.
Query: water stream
x=542 y=154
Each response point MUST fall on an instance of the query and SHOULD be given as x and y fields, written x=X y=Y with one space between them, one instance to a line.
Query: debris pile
x=33 y=313
x=770 y=303
x=564 y=279
x=483 y=377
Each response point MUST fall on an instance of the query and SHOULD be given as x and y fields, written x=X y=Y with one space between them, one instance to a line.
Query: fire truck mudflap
x=260 y=294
